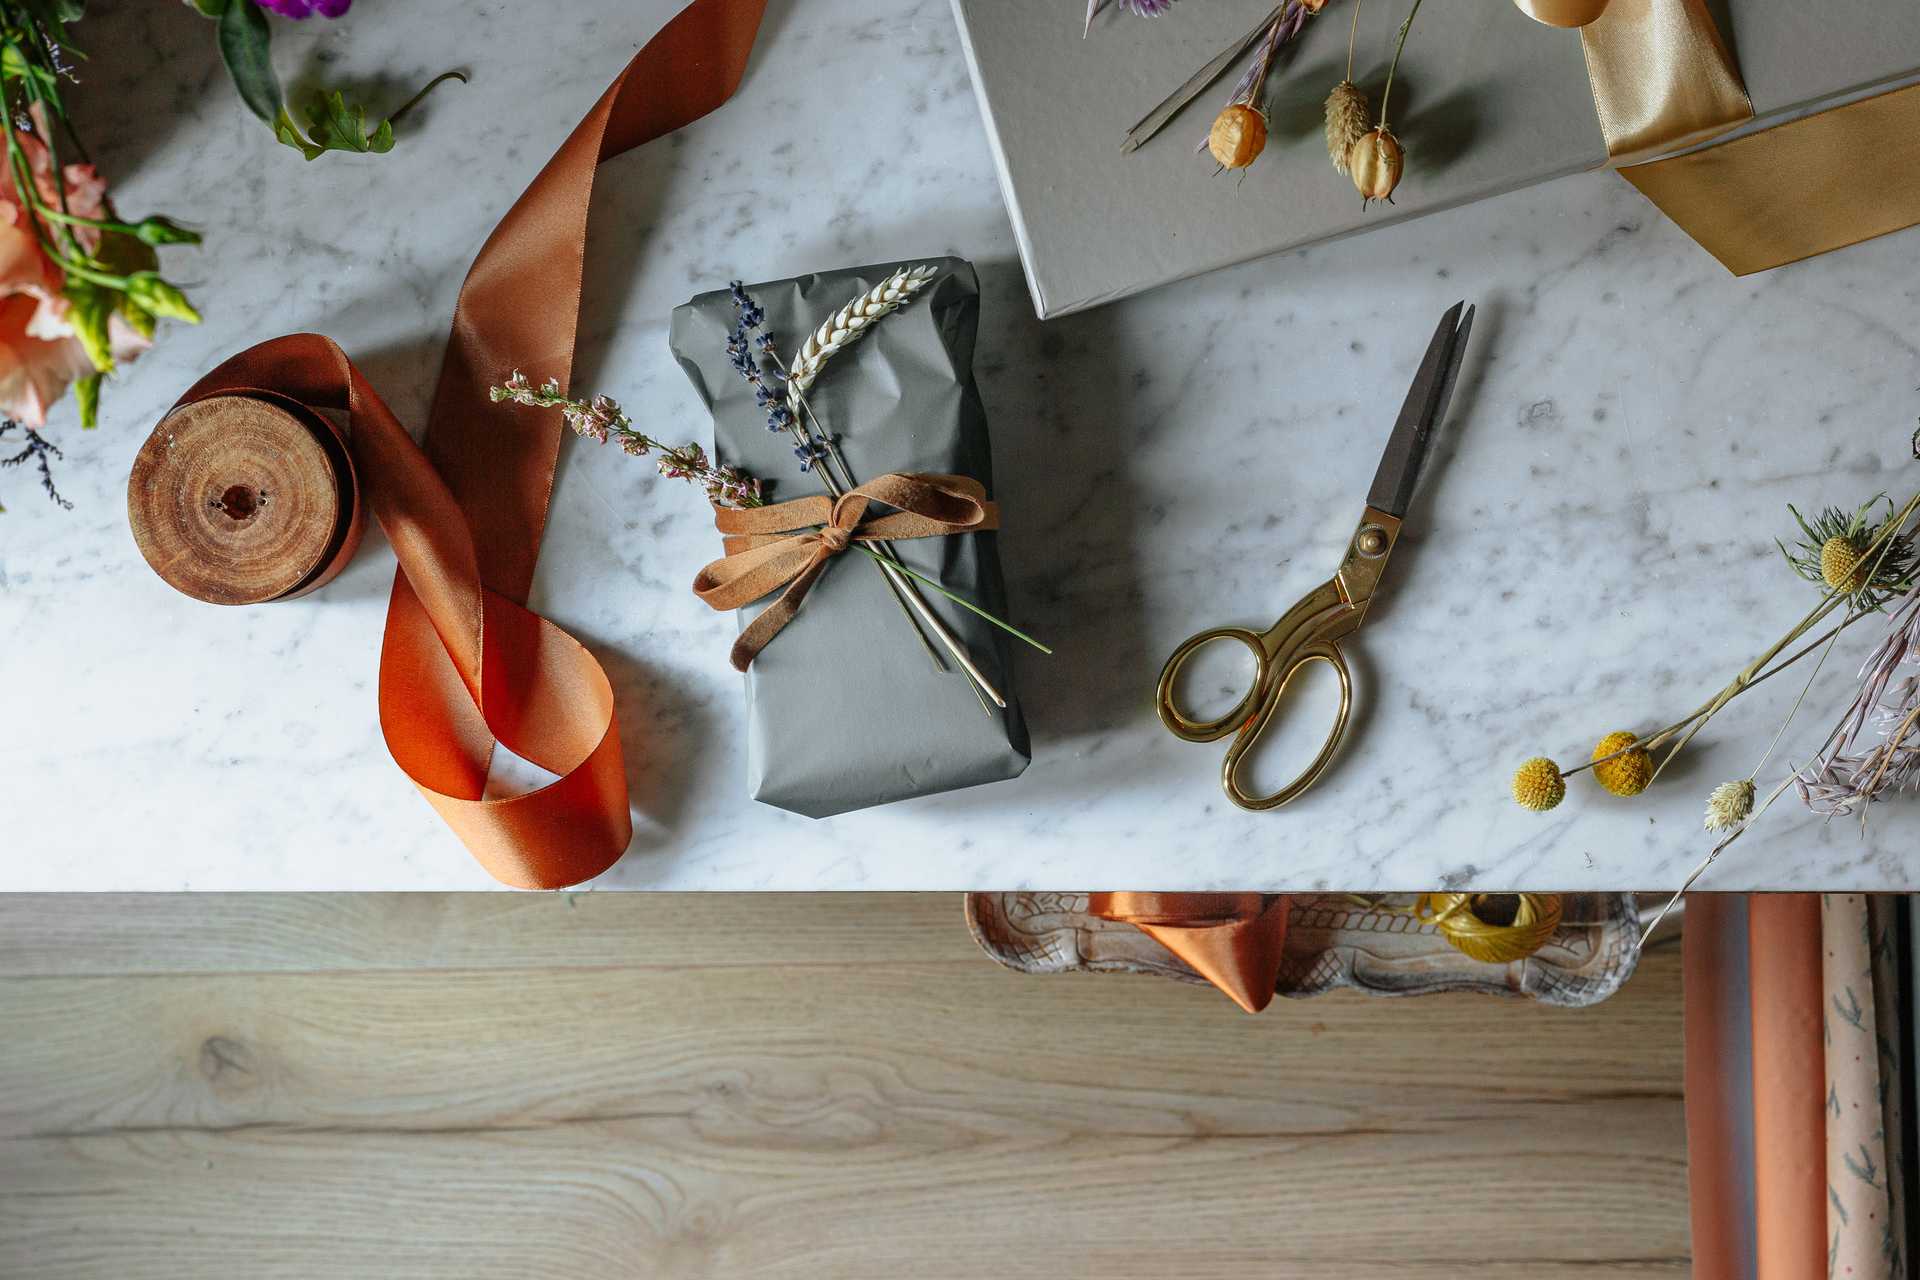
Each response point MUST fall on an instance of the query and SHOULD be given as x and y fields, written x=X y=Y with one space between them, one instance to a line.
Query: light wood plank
x=74 y=934
x=816 y=1118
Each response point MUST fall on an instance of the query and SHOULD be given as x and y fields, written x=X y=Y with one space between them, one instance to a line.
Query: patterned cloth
x=1866 y=1228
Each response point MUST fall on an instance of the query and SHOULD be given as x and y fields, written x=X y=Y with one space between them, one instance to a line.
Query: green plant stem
x=426 y=89
x=960 y=600
x=1654 y=740
x=1395 y=64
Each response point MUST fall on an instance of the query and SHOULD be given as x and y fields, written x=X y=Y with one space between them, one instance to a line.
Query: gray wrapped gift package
x=1486 y=101
x=845 y=709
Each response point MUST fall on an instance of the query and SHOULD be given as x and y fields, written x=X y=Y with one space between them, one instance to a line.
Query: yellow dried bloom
x=1537 y=785
x=1347 y=121
x=1729 y=804
x=1842 y=564
x=1624 y=775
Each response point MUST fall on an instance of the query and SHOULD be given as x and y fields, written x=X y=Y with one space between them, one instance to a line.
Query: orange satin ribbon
x=1233 y=940
x=790 y=544
x=464 y=665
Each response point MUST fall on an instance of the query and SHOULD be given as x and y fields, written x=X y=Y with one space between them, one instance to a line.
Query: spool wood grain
x=239 y=499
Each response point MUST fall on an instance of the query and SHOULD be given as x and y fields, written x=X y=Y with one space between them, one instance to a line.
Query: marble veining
x=1592 y=549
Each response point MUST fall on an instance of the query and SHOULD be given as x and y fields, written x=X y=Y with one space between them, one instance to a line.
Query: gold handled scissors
x=1311 y=630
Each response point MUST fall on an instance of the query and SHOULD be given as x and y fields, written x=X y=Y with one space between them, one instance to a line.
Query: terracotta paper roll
x=1789 y=1087
x=246 y=498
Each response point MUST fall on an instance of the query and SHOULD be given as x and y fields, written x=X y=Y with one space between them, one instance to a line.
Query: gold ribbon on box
x=1663 y=81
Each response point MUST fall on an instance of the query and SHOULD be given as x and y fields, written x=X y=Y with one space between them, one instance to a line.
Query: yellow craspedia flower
x=1537 y=785
x=1843 y=564
x=1625 y=775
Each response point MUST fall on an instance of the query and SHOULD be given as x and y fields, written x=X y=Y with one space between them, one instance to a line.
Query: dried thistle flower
x=1833 y=551
x=1729 y=804
x=1537 y=785
x=601 y=419
x=1347 y=121
x=1621 y=765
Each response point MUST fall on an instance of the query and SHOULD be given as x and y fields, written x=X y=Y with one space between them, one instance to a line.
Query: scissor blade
x=1425 y=407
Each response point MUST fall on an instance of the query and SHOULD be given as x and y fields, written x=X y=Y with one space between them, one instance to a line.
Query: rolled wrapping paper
x=1866 y=1233
x=1789 y=1086
x=1718 y=1086
x=463 y=665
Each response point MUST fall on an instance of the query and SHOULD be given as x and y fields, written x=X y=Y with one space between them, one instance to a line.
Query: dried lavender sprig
x=40 y=451
x=601 y=419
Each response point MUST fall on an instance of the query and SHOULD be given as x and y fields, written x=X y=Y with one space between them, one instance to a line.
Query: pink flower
x=39 y=355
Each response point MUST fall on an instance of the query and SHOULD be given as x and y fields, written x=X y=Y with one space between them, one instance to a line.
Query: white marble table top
x=1593 y=548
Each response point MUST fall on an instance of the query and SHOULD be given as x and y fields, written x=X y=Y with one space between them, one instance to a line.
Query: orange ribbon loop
x=465 y=666
x=1236 y=941
x=790 y=544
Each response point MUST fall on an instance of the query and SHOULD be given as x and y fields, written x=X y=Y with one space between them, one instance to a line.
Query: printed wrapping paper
x=844 y=708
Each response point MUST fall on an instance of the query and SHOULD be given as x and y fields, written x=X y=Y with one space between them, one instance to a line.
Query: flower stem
x=960 y=600
x=426 y=89
x=1353 y=34
x=1395 y=64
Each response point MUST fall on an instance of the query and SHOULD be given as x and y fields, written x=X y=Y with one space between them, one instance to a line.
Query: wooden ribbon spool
x=245 y=498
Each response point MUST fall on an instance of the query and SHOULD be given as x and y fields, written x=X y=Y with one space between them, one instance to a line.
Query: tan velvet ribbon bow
x=1663 y=81
x=464 y=664
x=790 y=544
x=1233 y=940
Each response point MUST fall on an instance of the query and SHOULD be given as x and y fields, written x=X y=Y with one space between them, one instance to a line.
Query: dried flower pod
x=1238 y=135
x=1626 y=774
x=1313 y=6
x=1537 y=785
x=1347 y=117
x=1375 y=160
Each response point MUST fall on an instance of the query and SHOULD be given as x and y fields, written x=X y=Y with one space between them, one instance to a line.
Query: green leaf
x=244 y=36
x=334 y=124
x=86 y=394
x=92 y=306
x=212 y=8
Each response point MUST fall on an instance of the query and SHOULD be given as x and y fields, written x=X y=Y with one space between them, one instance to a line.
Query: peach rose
x=39 y=355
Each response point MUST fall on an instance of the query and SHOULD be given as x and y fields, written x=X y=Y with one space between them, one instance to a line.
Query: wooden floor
x=570 y=1087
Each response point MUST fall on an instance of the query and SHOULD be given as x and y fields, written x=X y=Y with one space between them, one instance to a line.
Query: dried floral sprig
x=1846 y=775
x=1239 y=133
x=1728 y=805
x=747 y=347
x=41 y=452
x=602 y=419
x=845 y=327
x=1145 y=8
x=1832 y=547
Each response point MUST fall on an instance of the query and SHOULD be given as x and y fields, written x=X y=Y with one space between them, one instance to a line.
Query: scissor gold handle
x=1319 y=651
x=1185 y=727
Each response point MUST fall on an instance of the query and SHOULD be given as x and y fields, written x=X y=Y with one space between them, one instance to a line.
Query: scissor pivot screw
x=1371 y=541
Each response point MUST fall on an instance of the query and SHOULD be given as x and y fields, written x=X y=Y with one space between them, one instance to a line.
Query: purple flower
x=298 y=9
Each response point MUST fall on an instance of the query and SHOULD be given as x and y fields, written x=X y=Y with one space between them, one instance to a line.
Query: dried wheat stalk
x=845 y=326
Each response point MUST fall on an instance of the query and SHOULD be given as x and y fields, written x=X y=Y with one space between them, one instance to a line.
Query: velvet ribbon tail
x=1233 y=940
x=790 y=544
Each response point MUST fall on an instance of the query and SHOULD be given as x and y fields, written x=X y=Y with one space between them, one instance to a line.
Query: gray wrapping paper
x=844 y=708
